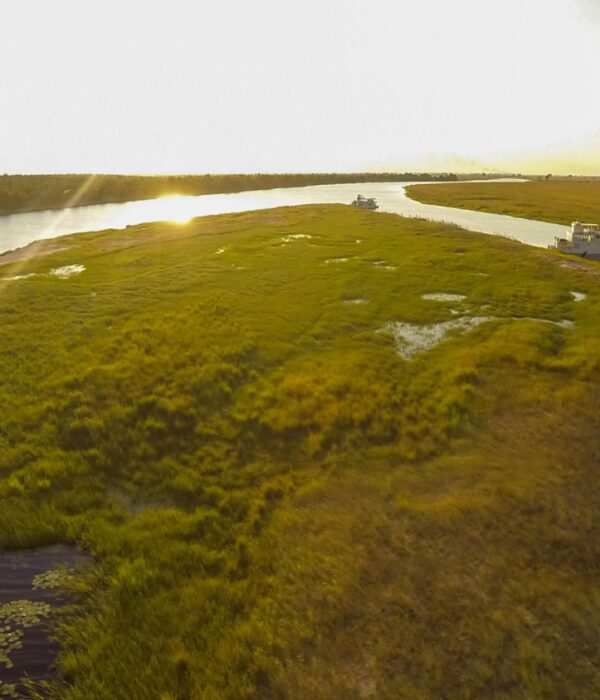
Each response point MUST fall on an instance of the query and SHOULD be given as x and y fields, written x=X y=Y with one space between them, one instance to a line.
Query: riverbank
x=560 y=202
x=305 y=465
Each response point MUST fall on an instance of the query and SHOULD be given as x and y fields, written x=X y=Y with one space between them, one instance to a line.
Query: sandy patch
x=355 y=300
x=31 y=251
x=67 y=271
x=574 y=265
x=443 y=296
x=564 y=323
x=383 y=265
x=336 y=260
x=295 y=237
x=18 y=277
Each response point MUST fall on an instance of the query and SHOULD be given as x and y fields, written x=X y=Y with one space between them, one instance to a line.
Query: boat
x=581 y=239
x=365 y=202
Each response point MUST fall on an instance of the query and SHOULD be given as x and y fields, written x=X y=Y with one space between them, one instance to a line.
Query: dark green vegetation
x=20 y=193
x=279 y=505
x=560 y=201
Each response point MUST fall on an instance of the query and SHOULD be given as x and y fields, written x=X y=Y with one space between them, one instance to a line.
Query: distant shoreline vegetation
x=558 y=201
x=22 y=193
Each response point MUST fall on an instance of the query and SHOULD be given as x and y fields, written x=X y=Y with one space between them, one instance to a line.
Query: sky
x=285 y=86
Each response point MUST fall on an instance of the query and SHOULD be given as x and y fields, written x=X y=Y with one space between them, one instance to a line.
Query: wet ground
x=411 y=339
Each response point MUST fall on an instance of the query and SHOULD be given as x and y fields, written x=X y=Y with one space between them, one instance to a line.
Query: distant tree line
x=20 y=193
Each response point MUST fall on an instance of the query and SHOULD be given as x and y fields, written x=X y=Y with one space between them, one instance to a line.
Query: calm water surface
x=18 y=230
x=17 y=571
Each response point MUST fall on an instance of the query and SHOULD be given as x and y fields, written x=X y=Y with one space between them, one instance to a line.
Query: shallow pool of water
x=28 y=597
x=411 y=339
x=443 y=296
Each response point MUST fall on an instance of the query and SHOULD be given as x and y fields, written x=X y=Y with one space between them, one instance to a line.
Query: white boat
x=365 y=202
x=581 y=239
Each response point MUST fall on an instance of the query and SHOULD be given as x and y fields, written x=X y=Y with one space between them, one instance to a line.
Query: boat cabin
x=365 y=202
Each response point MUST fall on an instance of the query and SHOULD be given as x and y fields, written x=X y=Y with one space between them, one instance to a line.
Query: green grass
x=278 y=505
x=561 y=201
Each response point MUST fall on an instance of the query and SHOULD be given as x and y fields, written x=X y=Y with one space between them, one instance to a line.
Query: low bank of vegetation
x=278 y=504
x=560 y=201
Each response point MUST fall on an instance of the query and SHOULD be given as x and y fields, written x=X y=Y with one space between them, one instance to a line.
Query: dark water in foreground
x=17 y=572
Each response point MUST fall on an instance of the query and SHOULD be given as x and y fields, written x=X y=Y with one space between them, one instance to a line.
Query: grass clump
x=278 y=504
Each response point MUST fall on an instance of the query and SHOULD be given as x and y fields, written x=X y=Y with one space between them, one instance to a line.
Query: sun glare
x=178 y=207
x=183 y=219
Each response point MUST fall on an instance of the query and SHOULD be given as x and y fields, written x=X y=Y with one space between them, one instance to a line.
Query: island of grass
x=559 y=201
x=298 y=479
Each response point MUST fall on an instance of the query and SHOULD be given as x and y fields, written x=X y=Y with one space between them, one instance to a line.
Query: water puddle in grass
x=383 y=265
x=30 y=591
x=295 y=237
x=564 y=323
x=62 y=272
x=67 y=271
x=411 y=339
x=443 y=296
x=578 y=296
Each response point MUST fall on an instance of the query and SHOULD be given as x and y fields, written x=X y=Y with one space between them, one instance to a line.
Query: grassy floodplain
x=560 y=201
x=280 y=505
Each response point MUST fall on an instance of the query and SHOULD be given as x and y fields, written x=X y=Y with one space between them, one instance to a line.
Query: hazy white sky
x=239 y=86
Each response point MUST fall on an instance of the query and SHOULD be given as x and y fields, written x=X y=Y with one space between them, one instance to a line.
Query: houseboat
x=581 y=239
x=365 y=202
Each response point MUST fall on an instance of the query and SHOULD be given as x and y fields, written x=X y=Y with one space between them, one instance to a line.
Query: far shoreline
x=67 y=191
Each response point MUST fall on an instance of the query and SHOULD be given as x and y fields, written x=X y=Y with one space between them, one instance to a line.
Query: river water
x=18 y=230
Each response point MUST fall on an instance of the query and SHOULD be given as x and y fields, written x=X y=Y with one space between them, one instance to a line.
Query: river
x=18 y=230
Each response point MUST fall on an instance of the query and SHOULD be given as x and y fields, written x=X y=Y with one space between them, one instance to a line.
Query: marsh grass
x=557 y=201
x=322 y=518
